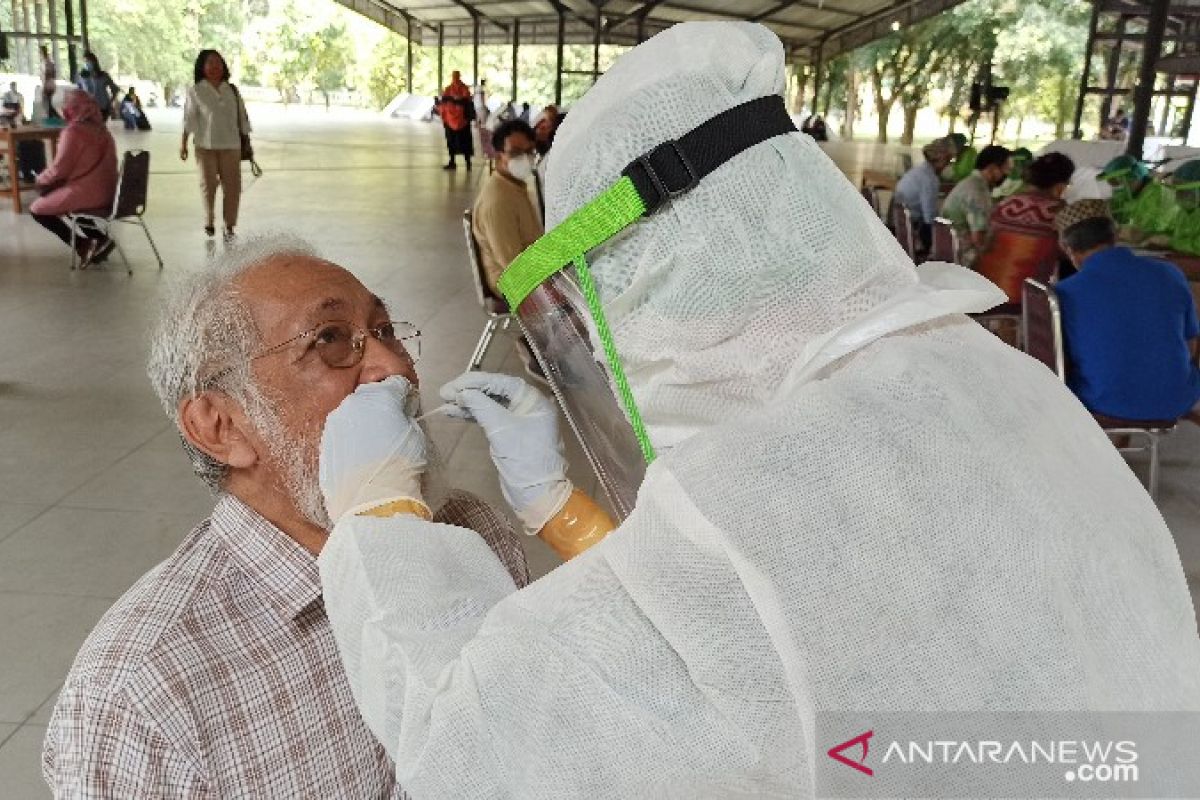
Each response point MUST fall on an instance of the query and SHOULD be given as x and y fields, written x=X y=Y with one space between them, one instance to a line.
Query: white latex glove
x=521 y=426
x=372 y=450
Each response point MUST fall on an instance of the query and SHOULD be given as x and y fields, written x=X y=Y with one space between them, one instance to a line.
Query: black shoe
x=468 y=165
x=451 y=165
x=210 y=230
x=103 y=250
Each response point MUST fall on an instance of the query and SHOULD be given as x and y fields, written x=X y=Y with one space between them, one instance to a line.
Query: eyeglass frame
x=357 y=344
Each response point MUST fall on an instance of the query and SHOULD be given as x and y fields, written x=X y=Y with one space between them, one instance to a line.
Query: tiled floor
x=95 y=488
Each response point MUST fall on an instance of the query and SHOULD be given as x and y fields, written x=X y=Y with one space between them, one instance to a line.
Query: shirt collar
x=1114 y=253
x=284 y=572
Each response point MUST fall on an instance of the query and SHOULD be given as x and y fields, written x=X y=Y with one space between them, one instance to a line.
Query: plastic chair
x=945 y=242
x=129 y=206
x=1041 y=328
x=495 y=307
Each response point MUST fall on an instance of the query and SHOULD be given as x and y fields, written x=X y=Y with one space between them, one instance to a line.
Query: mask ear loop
x=588 y=288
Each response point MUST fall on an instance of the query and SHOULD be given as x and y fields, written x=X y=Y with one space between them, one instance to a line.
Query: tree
x=1041 y=57
x=293 y=62
x=901 y=67
x=331 y=59
x=388 y=72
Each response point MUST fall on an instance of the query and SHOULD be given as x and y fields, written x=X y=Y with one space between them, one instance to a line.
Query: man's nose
x=381 y=362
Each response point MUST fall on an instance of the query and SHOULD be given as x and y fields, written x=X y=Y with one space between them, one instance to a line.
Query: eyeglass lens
x=340 y=344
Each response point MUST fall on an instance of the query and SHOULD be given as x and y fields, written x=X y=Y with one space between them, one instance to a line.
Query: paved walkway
x=96 y=490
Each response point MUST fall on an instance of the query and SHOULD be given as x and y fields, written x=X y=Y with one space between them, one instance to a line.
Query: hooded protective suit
x=862 y=500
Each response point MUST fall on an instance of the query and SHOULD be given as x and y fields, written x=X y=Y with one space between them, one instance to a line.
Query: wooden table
x=11 y=137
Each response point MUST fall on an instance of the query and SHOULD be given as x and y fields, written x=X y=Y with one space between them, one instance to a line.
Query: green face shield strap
x=671 y=169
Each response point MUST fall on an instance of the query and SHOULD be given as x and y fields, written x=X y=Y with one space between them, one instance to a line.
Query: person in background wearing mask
x=503 y=218
x=99 y=84
x=970 y=202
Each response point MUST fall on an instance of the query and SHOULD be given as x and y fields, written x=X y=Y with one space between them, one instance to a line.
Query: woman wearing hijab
x=213 y=112
x=83 y=177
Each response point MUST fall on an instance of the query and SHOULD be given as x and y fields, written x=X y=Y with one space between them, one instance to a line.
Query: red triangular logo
x=835 y=752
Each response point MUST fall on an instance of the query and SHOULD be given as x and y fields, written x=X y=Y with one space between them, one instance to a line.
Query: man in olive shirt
x=504 y=219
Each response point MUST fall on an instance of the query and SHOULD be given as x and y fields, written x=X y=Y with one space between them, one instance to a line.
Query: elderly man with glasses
x=217 y=675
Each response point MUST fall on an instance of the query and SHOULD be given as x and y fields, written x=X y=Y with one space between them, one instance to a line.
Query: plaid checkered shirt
x=217 y=675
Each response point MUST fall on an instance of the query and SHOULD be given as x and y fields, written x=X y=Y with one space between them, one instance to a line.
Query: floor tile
x=21 y=765
x=41 y=635
x=42 y=715
x=15 y=515
x=86 y=552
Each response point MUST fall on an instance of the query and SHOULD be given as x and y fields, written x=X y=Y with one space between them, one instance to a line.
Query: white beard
x=296 y=458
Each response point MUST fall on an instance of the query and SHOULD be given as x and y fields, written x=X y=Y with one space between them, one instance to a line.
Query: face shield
x=551 y=290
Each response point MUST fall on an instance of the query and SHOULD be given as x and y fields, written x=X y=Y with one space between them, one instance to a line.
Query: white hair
x=206 y=335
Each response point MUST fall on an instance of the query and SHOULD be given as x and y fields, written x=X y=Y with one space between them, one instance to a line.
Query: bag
x=247 y=148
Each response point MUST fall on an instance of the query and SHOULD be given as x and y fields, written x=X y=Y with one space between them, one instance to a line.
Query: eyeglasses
x=341 y=344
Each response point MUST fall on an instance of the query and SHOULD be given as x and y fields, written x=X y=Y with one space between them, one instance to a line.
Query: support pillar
x=1144 y=94
x=819 y=75
x=596 y=44
x=475 y=51
x=441 y=81
x=516 y=28
x=83 y=25
x=1186 y=124
x=558 y=58
x=1114 y=63
x=1085 y=80
x=72 y=55
x=1165 y=118
x=408 y=64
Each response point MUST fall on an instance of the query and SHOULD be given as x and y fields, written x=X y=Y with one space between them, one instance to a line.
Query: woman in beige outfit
x=213 y=113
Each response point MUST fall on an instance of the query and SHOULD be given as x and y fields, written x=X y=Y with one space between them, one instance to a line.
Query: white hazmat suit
x=862 y=501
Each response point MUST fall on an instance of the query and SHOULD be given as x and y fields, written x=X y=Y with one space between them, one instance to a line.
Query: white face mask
x=521 y=167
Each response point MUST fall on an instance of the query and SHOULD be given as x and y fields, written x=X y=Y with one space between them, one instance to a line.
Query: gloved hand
x=372 y=450
x=522 y=431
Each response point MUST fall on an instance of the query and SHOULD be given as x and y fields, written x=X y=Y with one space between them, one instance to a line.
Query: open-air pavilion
x=96 y=488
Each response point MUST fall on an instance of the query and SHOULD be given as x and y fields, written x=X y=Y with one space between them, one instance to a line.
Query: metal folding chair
x=944 y=246
x=871 y=195
x=129 y=206
x=1041 y=329
x=496 y=308
x=903 y=228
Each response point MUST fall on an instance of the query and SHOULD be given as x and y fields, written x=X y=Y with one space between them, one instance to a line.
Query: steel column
x=1144 y=95
x=83 y=25
x=558 y=69
x=818 y=76
x=516 y=30
x=441 y=58
x=1086 y=78
x=1166 y=109
x=475 y=51
x=72 y=56
x=1185 y=124
x=596 y=45
x=408 y=64
x=1114 y=64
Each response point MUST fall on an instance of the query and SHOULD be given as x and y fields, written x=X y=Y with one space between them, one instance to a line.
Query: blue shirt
x=1126 y=325
x=918 y=192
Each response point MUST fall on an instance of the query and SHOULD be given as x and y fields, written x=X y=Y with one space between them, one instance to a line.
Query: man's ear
x=215 y=425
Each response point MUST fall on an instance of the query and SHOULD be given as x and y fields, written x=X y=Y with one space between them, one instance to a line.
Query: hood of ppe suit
x=712 y=300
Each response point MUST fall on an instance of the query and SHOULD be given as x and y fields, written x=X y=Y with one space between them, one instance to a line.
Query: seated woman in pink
x=83 y=177
x=1024 y=241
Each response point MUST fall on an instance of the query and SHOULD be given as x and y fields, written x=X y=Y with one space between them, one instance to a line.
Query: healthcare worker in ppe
x=845 y=493
x=1185 y=231
x=1142 y=204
